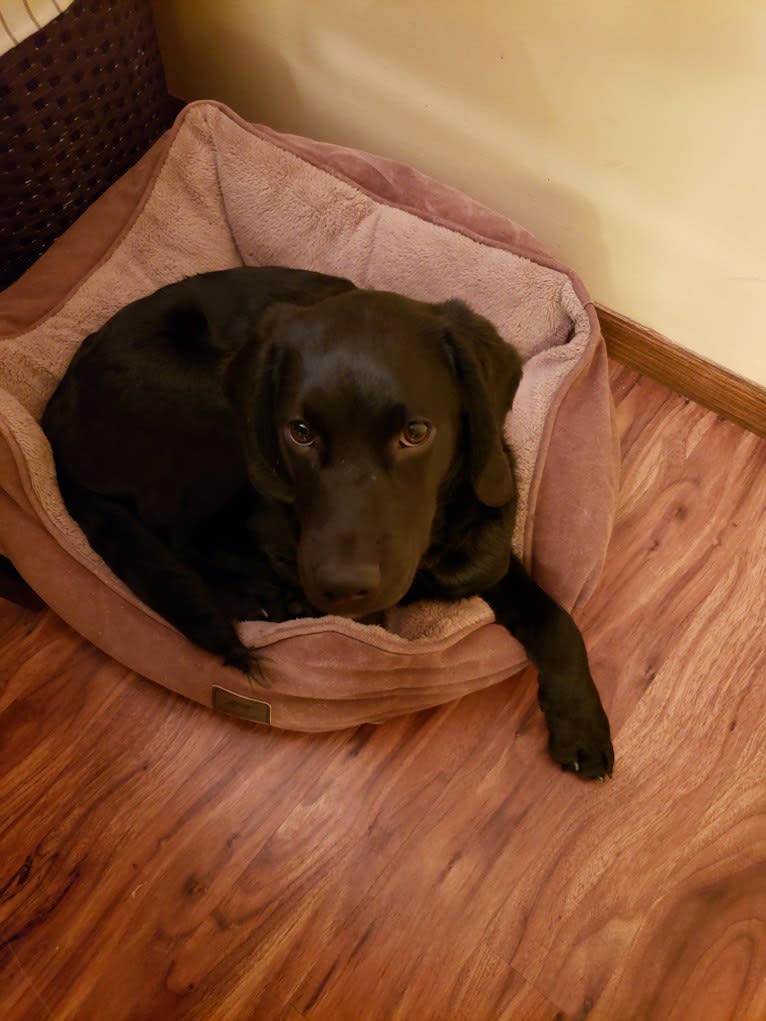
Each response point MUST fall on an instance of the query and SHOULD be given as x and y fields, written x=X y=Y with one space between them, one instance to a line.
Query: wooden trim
x=741 y=400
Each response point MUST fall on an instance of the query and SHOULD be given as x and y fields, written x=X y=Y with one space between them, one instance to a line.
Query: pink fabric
x=219 y=192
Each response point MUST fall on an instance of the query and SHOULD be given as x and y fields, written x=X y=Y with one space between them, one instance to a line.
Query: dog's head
x=359 y=411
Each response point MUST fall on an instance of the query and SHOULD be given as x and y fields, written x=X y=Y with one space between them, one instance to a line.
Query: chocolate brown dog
x=273 y=442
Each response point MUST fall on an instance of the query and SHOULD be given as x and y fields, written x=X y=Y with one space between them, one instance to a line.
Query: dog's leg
x=229 y=552
x=155 y=573
x=246 y=586
x=577 y=724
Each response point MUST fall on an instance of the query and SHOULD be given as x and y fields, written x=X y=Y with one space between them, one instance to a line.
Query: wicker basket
x=80 y=102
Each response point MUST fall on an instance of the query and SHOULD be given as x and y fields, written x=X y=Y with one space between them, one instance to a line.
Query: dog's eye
x=300 y=432
x=415 y=432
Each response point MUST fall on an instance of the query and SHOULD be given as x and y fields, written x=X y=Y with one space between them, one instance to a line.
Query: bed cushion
x=217 y=192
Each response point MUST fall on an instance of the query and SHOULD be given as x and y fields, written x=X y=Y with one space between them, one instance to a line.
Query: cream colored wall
x=629 y=135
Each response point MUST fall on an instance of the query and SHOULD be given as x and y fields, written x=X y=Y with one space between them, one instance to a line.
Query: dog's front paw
x=579 y=738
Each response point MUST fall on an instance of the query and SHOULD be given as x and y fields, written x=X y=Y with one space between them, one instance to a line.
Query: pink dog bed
x=218 y=192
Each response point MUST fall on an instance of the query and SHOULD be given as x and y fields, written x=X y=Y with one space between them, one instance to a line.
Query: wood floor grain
x=160 y=862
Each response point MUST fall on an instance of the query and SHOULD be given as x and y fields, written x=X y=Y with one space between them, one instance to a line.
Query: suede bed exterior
x=217 y=192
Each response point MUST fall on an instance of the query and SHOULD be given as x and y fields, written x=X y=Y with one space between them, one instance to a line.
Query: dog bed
x=218 y=192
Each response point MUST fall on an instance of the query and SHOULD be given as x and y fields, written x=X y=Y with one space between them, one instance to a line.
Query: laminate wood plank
x=320 y=919
x=691 y=755
x=176 y=915
x=705 y=803
x=251 y=940
x=123 y=786
x=159 y=861
x=482 y=988
x=700 y=951
x=240 y=926
x=697 y=501
x=510 y=854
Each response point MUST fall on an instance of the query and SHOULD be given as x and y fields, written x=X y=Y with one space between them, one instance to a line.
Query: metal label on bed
x=232 y=704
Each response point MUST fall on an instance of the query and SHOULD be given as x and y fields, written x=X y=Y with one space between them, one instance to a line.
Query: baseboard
x=687 y=373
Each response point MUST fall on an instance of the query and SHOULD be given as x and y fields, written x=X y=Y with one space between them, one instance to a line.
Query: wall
x=629 y=136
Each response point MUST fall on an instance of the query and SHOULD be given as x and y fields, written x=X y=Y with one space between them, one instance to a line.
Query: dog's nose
x=347 y=583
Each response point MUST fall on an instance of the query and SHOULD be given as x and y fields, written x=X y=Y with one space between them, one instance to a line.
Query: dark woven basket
x=80 y=102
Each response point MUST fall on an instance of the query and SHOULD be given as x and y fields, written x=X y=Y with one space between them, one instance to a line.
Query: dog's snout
x=342 y=584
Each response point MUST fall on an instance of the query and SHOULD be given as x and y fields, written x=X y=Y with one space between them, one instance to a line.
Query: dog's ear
x=251 y=383
x=488 y=372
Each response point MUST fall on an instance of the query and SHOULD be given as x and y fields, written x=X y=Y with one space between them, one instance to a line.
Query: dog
x=270 y=443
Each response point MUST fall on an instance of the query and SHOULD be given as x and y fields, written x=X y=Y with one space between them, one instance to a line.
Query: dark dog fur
x=273 y=442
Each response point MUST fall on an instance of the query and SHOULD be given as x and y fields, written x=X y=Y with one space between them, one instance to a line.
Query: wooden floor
x=160 y=862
